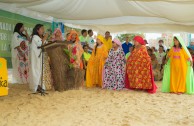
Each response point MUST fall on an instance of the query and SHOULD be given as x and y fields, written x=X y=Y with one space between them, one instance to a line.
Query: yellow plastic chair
x=3 y=77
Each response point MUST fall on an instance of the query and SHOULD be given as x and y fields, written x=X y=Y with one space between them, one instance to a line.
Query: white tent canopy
x=112 y=15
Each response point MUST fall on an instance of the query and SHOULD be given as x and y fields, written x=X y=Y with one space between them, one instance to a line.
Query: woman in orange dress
x=75 y=50
x=139 y=68
x=96 y=64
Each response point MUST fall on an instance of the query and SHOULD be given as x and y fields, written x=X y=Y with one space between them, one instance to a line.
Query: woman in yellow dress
x=96 y=64
x=178 y=72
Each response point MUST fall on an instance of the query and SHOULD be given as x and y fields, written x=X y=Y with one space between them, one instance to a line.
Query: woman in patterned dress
x=20 y=54
x=114 y=68
x=139 y=68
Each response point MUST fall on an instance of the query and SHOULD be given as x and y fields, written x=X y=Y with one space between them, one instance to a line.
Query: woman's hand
x=27 y=36
x=46 y=35
x=45 y=38
x=25 y=31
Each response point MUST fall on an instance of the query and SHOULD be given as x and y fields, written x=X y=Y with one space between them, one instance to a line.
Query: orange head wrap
x=70 y=35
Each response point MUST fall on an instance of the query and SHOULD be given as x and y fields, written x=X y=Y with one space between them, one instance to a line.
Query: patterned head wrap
x=54 y=34
x=117 y=41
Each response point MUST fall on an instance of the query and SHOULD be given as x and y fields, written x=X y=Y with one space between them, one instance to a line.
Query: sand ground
x=95 y=107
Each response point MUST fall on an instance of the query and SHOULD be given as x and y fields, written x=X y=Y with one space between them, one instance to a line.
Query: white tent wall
x=112 y=15
x=146 y=28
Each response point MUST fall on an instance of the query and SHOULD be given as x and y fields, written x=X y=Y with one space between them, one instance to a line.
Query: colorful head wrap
x=117 y=41
x=180 y=39
x=70 y=35
x=139 y=39
x=101 y=38
x=54 y=34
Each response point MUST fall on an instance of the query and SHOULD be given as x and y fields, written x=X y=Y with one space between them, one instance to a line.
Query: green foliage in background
x=122 y=37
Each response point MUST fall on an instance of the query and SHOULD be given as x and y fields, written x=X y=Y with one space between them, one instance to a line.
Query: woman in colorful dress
x=178 y=72
x=96 y=64
x=75 y=50
x=139 y=68
x=20 y=54
x=114 y=68
x=36 y=61
x=57 y=35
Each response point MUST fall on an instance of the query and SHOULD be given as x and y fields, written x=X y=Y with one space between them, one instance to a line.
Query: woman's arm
x=167 y=58
x=187 y=58
x=27 y=36
x=105 y=53
x=45 y=38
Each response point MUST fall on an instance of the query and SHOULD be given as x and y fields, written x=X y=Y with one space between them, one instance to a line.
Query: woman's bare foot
x=179 y=93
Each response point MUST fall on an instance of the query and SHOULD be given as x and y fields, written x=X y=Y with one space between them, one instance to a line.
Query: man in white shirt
x=91 y=42
x=161 y=43
x=160 y=55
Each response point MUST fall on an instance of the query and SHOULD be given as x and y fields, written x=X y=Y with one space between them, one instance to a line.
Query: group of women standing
x=111 y=70
x=107 y=69
x=28 y=60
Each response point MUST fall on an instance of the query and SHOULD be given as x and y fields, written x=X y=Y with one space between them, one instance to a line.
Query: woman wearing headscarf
x=96 y=64
x=20 y=54
x=114 y=68
x=139 y=68
x=75 y=50
x=57 y=35
x=178 y=73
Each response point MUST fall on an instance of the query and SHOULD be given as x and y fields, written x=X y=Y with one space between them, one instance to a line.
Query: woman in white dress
x=36 y=61
x=20 y=54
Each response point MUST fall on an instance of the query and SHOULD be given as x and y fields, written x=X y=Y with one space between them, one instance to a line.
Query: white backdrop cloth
x=112 y=15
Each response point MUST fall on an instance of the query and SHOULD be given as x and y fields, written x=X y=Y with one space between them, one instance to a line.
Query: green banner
x=7 y=24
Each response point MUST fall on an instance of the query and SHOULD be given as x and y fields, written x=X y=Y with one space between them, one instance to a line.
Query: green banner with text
x=7 y=24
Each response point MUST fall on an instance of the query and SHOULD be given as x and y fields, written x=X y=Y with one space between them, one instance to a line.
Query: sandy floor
x=95 y=107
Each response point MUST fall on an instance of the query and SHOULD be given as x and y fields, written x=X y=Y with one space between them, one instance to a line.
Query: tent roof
x=113 y=15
